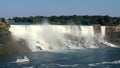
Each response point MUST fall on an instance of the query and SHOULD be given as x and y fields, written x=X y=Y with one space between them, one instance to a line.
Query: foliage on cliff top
x=4 y=27
x=70 y=20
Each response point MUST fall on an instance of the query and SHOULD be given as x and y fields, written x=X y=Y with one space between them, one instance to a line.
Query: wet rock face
x=97 y=30
x=7 y=45
x=10 y=46
x=4 y=28
x=4 y=32
x=113 y=34
x=113 y=28
x=113 y=37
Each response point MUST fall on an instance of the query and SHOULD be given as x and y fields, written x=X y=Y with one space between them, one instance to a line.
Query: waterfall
x=57 y=37
x=102 y=31
x=87 y=31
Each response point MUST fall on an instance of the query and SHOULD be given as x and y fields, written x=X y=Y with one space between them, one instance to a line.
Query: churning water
x=88 y=58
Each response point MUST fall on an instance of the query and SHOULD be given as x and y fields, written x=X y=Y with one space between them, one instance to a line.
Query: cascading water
x=87 y=31
x=57 y=37
x=103 y=30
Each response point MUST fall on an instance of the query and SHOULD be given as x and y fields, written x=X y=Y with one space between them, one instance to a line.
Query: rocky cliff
x=113 y=28
x=7 y=45
x=113 y=34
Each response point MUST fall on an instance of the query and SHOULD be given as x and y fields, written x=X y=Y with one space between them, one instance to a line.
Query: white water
x=103 y=63
x=103 y=31
x=53 y=37
x=87 y=31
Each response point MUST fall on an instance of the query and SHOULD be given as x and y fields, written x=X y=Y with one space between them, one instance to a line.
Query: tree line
x=69 y=20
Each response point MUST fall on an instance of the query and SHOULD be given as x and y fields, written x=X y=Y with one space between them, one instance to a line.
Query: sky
x=20 y=8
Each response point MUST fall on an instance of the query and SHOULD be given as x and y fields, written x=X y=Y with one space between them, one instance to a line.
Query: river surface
x=87 y=58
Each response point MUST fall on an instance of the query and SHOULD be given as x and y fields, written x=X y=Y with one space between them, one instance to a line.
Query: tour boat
x=25 y=59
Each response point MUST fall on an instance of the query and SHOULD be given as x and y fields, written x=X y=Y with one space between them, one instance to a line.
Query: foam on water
x=113 y=62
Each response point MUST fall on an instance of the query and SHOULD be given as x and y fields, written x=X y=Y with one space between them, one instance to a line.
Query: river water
x=86 y=58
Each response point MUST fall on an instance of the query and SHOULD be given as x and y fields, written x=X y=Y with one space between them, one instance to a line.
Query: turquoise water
x=87 y=58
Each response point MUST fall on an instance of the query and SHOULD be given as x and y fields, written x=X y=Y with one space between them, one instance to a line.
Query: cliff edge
x=7 y=44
